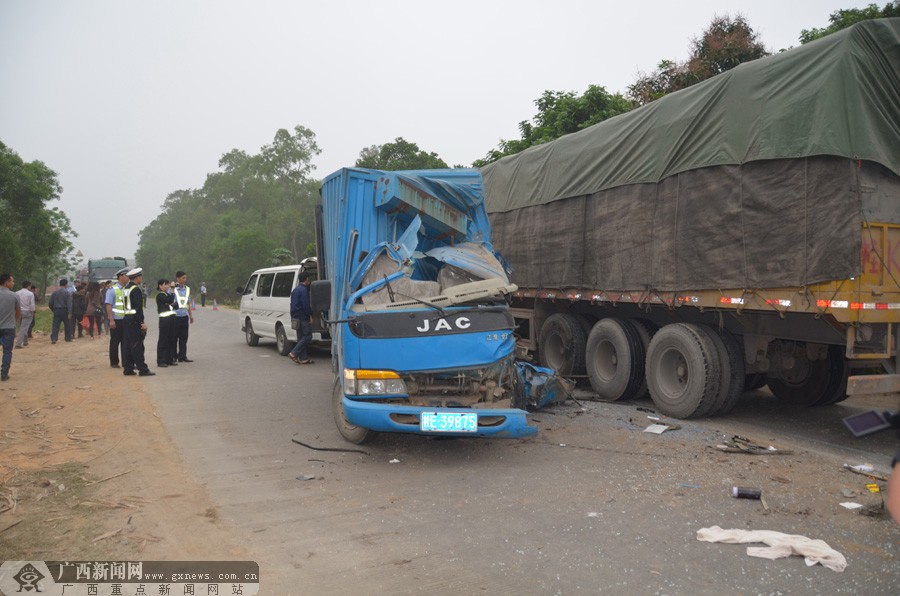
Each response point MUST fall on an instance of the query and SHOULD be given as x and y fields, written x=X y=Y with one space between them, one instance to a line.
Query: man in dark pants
x=134 y=327
x=183 y=315
x=115 y=311
x=301 y=311
x=10 y=314
x=165 y=307
x=61 y=305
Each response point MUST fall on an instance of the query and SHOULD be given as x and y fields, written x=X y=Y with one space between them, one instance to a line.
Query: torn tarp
x=543 y=386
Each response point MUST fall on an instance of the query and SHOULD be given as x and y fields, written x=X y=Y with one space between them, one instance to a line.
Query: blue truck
x=416 y=297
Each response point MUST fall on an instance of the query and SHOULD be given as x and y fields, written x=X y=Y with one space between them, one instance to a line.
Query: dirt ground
x=87 y=470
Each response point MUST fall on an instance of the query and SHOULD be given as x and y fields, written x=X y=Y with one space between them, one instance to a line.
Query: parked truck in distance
x=105 y=268
x=422 y=336
x=741 y=232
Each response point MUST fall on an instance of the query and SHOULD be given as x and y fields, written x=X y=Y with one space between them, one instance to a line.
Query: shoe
x=307 y=361
x=19 y=347
x=4 y=378
x=294 y=358
x=52 y=342
x=114 y=366
x=129 y=373
x=162 y=365
x=173 y=363
x=185 y=360
x=147 y=373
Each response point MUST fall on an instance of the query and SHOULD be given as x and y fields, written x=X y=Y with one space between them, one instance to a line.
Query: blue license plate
x=448 y=422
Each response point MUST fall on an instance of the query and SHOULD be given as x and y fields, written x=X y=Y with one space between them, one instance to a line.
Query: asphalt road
x=591 y=504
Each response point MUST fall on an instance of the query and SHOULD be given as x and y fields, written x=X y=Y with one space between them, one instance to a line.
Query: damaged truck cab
x=417 y=303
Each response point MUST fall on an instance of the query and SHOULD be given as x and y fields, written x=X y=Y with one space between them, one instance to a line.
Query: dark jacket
x=61 y=299
x=300 y=308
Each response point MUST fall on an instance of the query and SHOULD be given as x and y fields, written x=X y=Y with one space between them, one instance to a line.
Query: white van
x=266 y=306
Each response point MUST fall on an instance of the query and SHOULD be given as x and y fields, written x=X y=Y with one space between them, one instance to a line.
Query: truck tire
x=354 y=434
x=614 y=359
x=733 y=372
x=562 y=343
x=283 y=344
x=646 y=330
x=252 y=338
x=821 y=383
x=682 y=370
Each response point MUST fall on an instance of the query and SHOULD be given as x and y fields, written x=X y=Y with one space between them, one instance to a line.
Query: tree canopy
x=724 y=44
x=257 y=210
x=399 y=155
x=35 y=238
x=843 y=18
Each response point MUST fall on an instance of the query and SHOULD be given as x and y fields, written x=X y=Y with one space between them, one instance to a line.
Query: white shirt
x=26 y=301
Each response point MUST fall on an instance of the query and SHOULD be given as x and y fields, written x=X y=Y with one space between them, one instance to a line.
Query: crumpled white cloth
x=780 y=545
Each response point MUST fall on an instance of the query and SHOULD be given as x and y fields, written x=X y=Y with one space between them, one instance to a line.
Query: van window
x=251 y=284
x=284 y=283
x=265 y=284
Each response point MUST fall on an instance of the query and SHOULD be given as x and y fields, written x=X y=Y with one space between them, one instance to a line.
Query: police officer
x=183 y=315
x=115 y=313
x=134 y=327
x=165 y=307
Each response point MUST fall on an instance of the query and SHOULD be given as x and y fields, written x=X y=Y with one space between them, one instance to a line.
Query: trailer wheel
x=252 y=338
x=281 y=341
x=354 y=434
x=615 y=359
x=733 y=374
x=646 y=330
x=562 y=344
x=818 y=383
x=682 y=370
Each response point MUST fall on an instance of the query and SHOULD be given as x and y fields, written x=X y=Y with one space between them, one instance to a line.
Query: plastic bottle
x=743 y=492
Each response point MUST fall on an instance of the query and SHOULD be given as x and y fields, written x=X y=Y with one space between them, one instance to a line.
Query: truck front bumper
x=397 y=418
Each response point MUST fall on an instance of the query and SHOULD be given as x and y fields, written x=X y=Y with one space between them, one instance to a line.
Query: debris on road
x=866 y=470
x=851 y=505
x=738 y=444
x=659 y=428
x=543 y=386
x=394 y=461
x=306 y=477
x=780 y=545
x=744 y=492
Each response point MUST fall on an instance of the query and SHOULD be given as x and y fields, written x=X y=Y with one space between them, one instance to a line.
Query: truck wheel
x=732 y=363
x=282 y=342
x=252 y=338
x=682 y=370
x=354 y=434
x=615 y=359
x=816 y=383
x=646 y=330
x=562 y=344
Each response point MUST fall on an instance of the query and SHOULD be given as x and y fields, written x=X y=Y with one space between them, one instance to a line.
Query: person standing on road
x=10 y=314
x=165 y=307
x=79 y=307
x=115 y=312
x=302 y=313
x=28 y=307
x=183 y=316
x=61 y=305
x=94 y=308
x=134 y=327
x=202 y=294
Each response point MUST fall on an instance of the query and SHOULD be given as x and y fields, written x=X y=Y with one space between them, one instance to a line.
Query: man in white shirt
x=28 y=307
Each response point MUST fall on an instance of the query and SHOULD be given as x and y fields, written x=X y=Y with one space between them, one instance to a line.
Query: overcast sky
x=129 y=101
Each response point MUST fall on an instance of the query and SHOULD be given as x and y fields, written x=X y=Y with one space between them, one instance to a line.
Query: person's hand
x=112 y=323
x=143 y=326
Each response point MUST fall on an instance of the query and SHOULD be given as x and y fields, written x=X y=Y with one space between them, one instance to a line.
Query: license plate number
x=448 y=422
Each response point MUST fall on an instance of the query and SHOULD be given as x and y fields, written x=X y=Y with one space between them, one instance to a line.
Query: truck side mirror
x=320 y=295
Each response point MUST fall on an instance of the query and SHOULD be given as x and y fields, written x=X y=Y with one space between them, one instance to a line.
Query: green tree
x=726 y=43
x=254 y=204
x=399 y=155
x=560 y=113
x=843 y=18
x=35 y=239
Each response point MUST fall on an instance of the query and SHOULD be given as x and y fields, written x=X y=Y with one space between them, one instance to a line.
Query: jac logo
x=445 y=325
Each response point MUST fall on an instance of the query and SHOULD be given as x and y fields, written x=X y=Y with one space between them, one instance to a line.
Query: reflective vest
x=129 y=310
x=118 y=308
x=166 y=313
x=182 y=302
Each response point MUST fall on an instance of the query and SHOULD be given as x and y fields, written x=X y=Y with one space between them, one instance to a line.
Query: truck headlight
x=373 y=382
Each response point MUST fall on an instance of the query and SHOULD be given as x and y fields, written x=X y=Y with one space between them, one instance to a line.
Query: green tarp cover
x=837 y=96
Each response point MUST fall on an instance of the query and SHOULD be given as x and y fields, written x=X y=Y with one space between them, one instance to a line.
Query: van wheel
x=562 y=343
x=354 y=434
x=252 y=338
x=281 y=341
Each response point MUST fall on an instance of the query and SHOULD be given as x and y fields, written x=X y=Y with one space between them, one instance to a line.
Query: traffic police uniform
x=115 y=297
x=133 y=335
x=165 y=307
